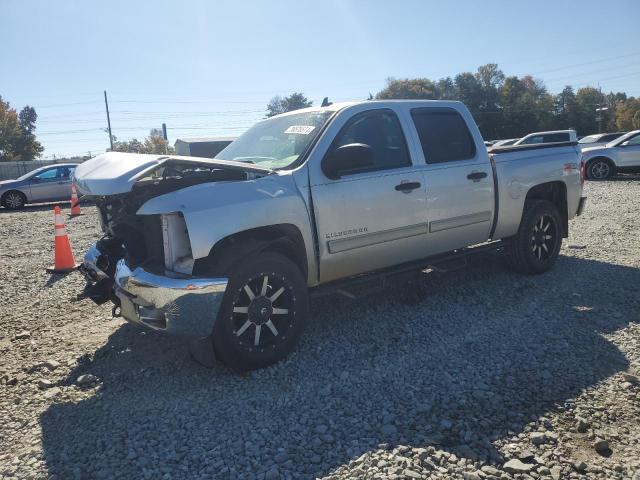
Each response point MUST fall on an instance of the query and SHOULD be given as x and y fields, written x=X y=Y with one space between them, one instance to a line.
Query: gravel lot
x=491 y=375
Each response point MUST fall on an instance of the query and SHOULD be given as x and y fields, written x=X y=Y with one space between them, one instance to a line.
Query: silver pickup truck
x=229 y=249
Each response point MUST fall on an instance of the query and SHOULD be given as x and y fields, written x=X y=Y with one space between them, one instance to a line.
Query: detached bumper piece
x=182 y=306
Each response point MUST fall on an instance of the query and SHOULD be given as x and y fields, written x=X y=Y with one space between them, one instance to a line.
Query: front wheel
x=263 y=313
x=14 y=200
x=537 y=244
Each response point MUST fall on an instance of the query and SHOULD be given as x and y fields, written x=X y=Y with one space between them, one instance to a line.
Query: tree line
x=508 y=107
x=503 y=107
x=17 y=133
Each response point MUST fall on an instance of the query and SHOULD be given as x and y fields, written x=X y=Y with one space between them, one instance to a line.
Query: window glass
x=276 y=142
x=556 y=137
x=47 y=174
x=533 y=140
x=444 y=135
x=592 y=139
x=380 y=130
x=635 y=140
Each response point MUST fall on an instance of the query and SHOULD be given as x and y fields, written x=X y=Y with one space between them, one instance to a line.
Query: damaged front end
x=144 y=263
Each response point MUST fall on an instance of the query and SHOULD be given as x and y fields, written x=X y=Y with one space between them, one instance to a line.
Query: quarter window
x=444 y=135
x=381 y=130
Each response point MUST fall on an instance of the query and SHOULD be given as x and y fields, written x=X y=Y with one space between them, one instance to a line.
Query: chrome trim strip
x=461 y=221
x=367 y=239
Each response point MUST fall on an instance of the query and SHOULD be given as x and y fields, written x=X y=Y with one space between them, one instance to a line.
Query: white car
x=620 y=155
x=555 y=136
x=598 y=139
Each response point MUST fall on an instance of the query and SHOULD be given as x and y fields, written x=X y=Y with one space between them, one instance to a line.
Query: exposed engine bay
x=158 y=243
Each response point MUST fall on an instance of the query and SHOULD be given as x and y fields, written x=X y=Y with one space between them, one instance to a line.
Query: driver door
x=373 y=217
x=45 y=185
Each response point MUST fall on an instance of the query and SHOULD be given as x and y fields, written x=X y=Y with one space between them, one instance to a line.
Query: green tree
x=29 y=148
x=408 y=89
x=153 y=144
x=9 y=131
x=295 y=101
x=636 y=120
x=626 y=114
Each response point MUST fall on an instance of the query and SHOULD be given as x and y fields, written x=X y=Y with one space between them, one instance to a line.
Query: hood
x=114 y=173
x=597 y=149
x=7 y=183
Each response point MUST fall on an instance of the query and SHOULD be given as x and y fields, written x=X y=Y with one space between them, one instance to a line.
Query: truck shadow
x=485 y=353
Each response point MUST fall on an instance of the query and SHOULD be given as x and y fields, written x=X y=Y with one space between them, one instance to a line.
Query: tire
x=600 y=169
x=531 y=251
x=14 y=200
x=252 y=333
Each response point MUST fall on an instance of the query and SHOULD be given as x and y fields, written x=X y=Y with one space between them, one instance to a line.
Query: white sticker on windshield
x=301 y=129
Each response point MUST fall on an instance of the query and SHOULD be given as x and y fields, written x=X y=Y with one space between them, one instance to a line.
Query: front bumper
x=182 y=305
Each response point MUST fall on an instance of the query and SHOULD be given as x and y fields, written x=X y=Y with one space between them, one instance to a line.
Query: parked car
x=598 y=139
x=505 y=143
x=620 y=155
x=555 y=136
x=45 y=184
x=309 y=202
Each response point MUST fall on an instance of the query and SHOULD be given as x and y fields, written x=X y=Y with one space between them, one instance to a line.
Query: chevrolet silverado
x=229 y=249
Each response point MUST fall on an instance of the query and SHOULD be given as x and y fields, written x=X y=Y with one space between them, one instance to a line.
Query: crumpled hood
x=114 y=173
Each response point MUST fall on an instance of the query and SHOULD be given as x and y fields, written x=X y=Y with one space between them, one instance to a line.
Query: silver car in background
x=46 y=184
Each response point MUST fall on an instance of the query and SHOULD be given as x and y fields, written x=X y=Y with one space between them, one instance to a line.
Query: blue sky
x=209 y=68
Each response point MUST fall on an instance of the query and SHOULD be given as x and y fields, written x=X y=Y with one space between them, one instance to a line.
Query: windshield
x=623 y=138
x=276 y=142
x=590 y=139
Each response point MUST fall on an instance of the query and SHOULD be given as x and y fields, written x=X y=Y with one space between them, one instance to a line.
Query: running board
x=355 y=287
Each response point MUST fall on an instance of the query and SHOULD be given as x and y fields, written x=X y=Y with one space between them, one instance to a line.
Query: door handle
x=476 y=176
x=407 y=187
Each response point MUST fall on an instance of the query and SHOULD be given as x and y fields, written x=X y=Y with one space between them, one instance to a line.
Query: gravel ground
x=491 y=375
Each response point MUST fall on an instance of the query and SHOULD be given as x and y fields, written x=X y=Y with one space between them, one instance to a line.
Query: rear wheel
x=537 y=245
x=263 y=313
x=600 y=169
x=14 y=200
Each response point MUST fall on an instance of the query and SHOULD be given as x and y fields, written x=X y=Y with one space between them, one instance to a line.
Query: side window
x=64 y=172
x=634 y=141
x=533 y=140
x=48 y=174
x=556 y=137
x=381 y=130
x=444 y=135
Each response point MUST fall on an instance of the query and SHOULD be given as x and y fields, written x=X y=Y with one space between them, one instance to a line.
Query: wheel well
x=11 y=191
x=284 y=239
x=556 y=193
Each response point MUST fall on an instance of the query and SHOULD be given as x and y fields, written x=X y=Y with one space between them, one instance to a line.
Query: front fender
x=213 y=211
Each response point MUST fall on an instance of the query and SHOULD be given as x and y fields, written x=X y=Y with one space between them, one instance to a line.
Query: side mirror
x=35 y=179
x=347 y=157
x=625 y=144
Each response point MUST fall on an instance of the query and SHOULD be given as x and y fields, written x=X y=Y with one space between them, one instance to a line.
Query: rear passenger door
x=458 y=178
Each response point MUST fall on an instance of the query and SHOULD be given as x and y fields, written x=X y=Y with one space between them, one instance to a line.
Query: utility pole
x=106 y=104
x=166 y=140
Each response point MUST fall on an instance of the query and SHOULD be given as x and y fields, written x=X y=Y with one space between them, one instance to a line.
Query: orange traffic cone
x=75 y=204
x=64 y=261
